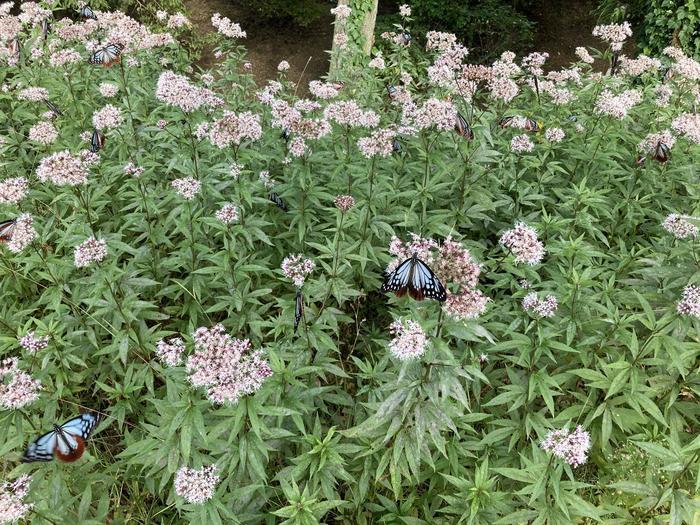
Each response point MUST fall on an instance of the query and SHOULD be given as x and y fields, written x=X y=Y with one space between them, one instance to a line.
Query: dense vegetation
x=156 y=282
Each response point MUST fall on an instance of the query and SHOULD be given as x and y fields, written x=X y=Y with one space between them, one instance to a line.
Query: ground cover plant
x=192 y=270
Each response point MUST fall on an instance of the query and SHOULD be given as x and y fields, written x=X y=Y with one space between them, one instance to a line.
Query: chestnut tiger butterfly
x=298 y=309
x=463 y=128
x=107 y=56
x=662 y=152
x=278 y=201
x=66 y=442
x=7 y=228
x=416 y=278
x=87 y=12
x=53 y=107
x=97 y=142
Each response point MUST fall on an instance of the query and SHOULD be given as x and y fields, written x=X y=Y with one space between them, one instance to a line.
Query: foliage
x=343 y=431
x=300 y=12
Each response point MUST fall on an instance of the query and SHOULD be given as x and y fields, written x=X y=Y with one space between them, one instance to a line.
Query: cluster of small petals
x=62 y=168
x=439 y=41
x=584 y=55
x=613 y=34
x=421 y=247
x=617 y=105
x=187 y=187
x=266 y=180
x=379 y=143
x=409 y=342
x=534 y=62
x=652 y=140
x=324 y=90
x=690 y=301
x=663 y=95
x=521 y=143
x=89 y=158
x=65 y=56
x=32 y=344
x=434 y=112
x=228 y=213
x=20 y=390
x=540 y=307
x=688 y=68
x=306 y=105
x=344 y=202
x=688 y=125
x=503 y=88
x=43 y=132
x=177 y=21
x=32 y=13
x=13 y=190
x=232 y=129
x=465 y=305
x=196 y=485
x=10 y=27
x=348 y=113
x=68 y=30
x=90 y=251
x=554 y=134
x=283 y=66
x=227 y=367
x=108 y=90
x=637 y=66
x=176 y=90
x=405 y=10
x=108 y=117
x=454 y=264
x=226 y=27
x=23 y=233
x=170 y=352
x=680 y=227
x=342 y=12
x=522 y=241
x=377 y=62
x=132 y=169
x=297 y=147
x=33 y=94
x=296 y=268
x=12 y=494
x=571 y=447
x=340 y=40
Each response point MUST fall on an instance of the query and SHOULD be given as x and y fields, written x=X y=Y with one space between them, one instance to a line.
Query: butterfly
x=277 y=200
x=405 y=38
x=416 y=278
x=87 y=12
x=298 y=309
x=572 y=118
x=66 y=441
x=7 y=228
x=285 y=134
x=392 y=90
x=396 y=146
x=668 y=74
x=45 y=28
x=107 y=56
x=662 y=152
x=641 y=159
x=97 y=142
x=463 y=128
x=14 y=50
x=506 y=122
x=531 y=125
x=53 y=107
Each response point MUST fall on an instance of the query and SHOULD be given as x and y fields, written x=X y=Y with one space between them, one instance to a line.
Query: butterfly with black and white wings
x=7 y=228
x=65 y=442
x=106 y=56
x=416 y=278
x=298 y=309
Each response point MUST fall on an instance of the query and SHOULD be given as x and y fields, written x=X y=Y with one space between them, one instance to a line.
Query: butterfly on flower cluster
x=463 y=128
x=107 y=56
x=416 y=278
x=66 y=442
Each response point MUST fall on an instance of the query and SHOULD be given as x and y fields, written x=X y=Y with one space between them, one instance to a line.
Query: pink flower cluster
x=23 y=233
x=20 y=390
x=637 y=66
x=533 y=63
x=617 y=105
x=409 y=342
x=228 y=214
x=296 y=268
x=688 y=126
x=433 y=112
x=521 y=144
x=176 y=90
x=341 y=12
x=226 y=27
x=613 y=34
x=652 y=140
x=12 y=494
x=571 y=447
x=348 y=113
x=108 y=117
x=33 y=94
x=196 y=485
x=522 y=241
x=344 y=202
x=227 y=367
x=89 y=251
x=13 y=190
x=132 y=169
x=680 y=227
x=65 y=56
x=584 y=55
x=540 y=307
x=187 y=187
x=43 y=133
x=32 y=344
x=170 y=352
x=324 y=90
x=554 y=134
x=439 y=40
x=62 y=169
x=690 y=301
x=233 y=129
x=379 y=143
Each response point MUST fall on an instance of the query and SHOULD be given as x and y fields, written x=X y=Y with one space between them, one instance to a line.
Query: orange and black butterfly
x=463 y=128
x=107 y=56
x=66 y=442
x=506 y=122
x=531 y=125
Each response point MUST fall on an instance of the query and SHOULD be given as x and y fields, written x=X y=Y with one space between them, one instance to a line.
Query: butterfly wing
x=97 y=58
x=6 y=230
x=53 y=107
x=277 y=200
x=463 y=128
x=423 y=283
x=397 y=281
x=97 y=142
x=298 y=309
x=82 y=425
x=41 y=449
x=87 y=12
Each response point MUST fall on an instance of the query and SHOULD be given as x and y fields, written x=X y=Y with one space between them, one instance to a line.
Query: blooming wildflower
x=522 y=241
x=483 y=358
x=176 y=90
x=617 y=105
x=13 y=190
x=108 y=90
x=434 y=112
x=324 y=90
x=32 y=13
x=455 y=264
x=33 y=94
x=43 y=133
x=177 y=21
x=62 y=168
x=503 y=89
x=170 y=352
x=405 y=10
x=465 y=305
x=584 y=55
x=340 y=40
x=521 y=143
x=227 y=28
x=89 y=158
x=614 y=34
x=107 y=118
x=688 y=125
x=233 y=129
x=5 y=9
x=283 y=66
x=161 y=124
x=342 y=12
x=207 y=79
x=266 y=180
x=344 y=203
x=132 y=169
x=187 y=187
x=33 y=344
x=65 y=56
x=296 y=268
x=571 y=447
x=679 y=227
x=227 y=367
x=690 y=301
x=161 y=15
x=409 y=340
x=227 y=214
x=89 y=251
x=439 y=41
x=663 y=95
x=196 y=485
x=534 y=62
x=349 y=113
x=652 y=140
x=235 y=170
x=377 y=62
x=21 y=389
x=541 y=307
x=297 y=147
x=202 y=130
x=637 y=66
x=22 y=234
x=12 y=508
x=554 y=134
x=524 y=284
x=379 y=143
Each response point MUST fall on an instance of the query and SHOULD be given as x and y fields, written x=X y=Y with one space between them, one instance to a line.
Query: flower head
x=20 y=390
x=108 y=117
x=187 y=187
x=226 y=27
x=405 y=10
x=23 y=233
x=63 y=168
x=283 y=66
x=232 y=129
x=690 y=301
x=34 y=94
x=170 y=352
x=228 y=214
x=43 y=133
x=584 y=55
x=614 y=34
x=554 y=134
x=468 y=304
x=571 y=447
x=344 y=202
x=196 y=485
x=617 y=106
x=296 y=268
x=89 y=251
x=409 y=340
x=176 y=90
x=108 y=90
x=12 y=494
x=540 y=307
x=522 y=241
x=680 y=227
x=13 y=190
x=521 y=143
x=32 y=344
